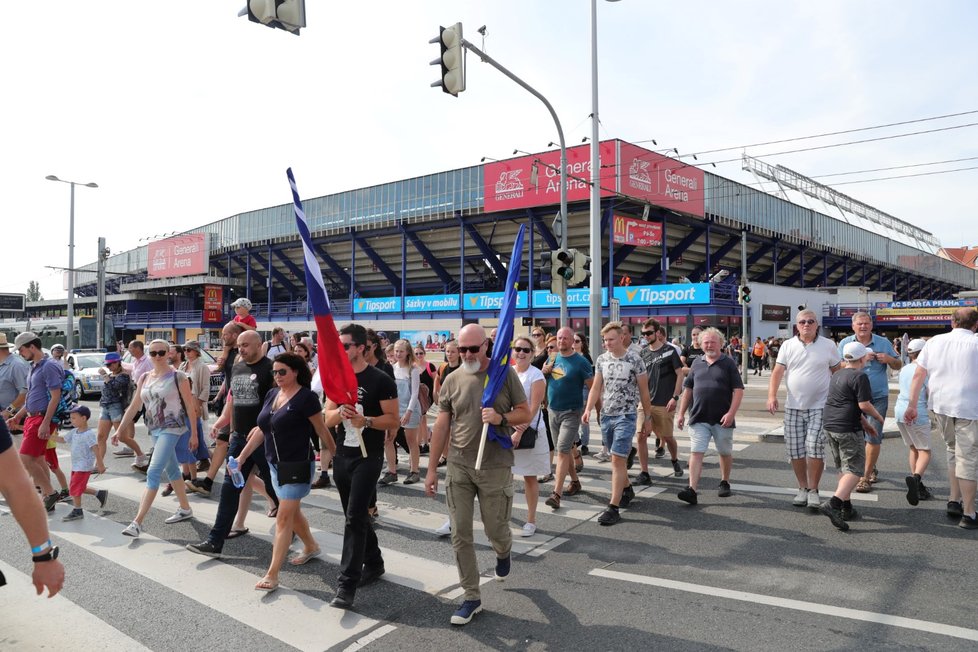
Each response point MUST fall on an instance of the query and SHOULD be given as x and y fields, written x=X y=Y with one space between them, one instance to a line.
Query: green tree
x=34 y=291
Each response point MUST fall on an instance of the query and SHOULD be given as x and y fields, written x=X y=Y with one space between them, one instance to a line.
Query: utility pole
x=103 y=254
x=745 y=341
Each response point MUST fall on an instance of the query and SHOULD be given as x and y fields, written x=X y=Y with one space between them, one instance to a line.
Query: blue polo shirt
x=875 y=370
x=46 y=375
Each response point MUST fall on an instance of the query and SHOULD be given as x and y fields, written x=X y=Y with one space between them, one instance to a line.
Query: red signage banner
x=510 y=184
x=211 y=316
x=660 y=180
x=636 y=232
x=213 y=297
x=181 y=255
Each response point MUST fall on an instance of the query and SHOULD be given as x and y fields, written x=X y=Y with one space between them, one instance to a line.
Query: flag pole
x=482 y=446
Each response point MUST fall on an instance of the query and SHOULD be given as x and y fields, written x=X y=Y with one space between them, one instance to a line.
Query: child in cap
x=850 y=398
x=915 y=435
x=84 y=460
x=243 y=318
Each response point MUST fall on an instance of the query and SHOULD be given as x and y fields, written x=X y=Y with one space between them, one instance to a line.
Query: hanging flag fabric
x=335 y=370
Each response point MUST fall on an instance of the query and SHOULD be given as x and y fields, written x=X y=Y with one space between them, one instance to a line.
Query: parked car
x=217 y=376
x=85 y=365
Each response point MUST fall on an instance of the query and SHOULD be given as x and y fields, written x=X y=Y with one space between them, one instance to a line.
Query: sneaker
x=814 y=500
x=724 y=490
x=167 y=491
x=954 y=509
x=371 y=574
x=602 y=456
x=503 y=566
x=913 y=490
x=801 y=498
x=609 y=516
x=677 y=470
x=343 y=599
x=834 y=514
x=849 y=513
x=202 y=487
x=688 y=495
x=529 y=529
x=64 y=496
x=969 y=522
x=644 y=478
x=923 y=492
x=584 y=450
x=141 y=467
x=630 y=462
x=463 y=615
x=205 y=548
x=387 y=479
x=51 y=501
x=864 y=487
x=627 y=496
x=660 y=452
x=323 y=482
x=125 y=451
x=73 y=515
x=180 y=515
x=101 y=496
x=445 y=529
x=132 y=530
x=413 y=477
x=424 y=449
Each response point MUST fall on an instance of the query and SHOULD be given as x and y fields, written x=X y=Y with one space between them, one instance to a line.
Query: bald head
x=565 y=340
x=965 y=318
x=470 y=336
x=230 y=333
x=249 y=346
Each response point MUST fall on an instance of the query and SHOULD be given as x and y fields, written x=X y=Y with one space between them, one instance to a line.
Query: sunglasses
x=279 y=372
x=420 y=353
x=802 y=322
x=157 y=354
x=347 y=345
x=551 y=348
x=648 y=333
x=520 y=349
x=537 y=334
x=471 y=349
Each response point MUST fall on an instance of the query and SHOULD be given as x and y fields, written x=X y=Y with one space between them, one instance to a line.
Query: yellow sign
x=943 y=310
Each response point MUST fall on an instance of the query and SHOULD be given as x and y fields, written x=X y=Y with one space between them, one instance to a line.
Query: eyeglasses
x=279 y=372
x=802 y=322
x=157 y=354
x=551 y=348
x=470 y=349
x=419 y=353
x=648 y=333
x=347 y=345
x=520 y=349
x=537 y=334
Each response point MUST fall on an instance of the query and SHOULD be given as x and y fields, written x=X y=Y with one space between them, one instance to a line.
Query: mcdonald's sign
x=636 y=232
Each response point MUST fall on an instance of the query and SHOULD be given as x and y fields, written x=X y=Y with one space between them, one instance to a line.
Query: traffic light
x=289 y=15
x=743 y=294
x=451 y=60
x=582 y=267
x=746 y=291
x=555 y=284
x=563 y=264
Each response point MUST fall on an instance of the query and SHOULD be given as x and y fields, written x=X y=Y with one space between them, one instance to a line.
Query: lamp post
x=594 y=313
x=70 y=330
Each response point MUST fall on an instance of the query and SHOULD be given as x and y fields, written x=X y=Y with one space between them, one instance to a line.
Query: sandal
x=272 y=512
x=266 y=585
x=864 y=487
x=578 y=460
x=573 y=489
x=554 y=500
x=302 y=558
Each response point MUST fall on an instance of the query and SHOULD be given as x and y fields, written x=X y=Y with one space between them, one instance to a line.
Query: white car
x=85 y=365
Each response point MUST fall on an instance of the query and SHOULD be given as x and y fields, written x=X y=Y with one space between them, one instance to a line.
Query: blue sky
x=185 y=114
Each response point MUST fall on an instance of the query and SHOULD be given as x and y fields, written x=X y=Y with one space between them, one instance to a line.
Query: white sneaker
x=132 y=530
x=814 y=500
x=445 y=530
x=801 y=499
x=529 y=530
x=602 y=456
x=180 y=515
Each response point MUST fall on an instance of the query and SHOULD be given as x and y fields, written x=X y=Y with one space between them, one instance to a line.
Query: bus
x=52 y=331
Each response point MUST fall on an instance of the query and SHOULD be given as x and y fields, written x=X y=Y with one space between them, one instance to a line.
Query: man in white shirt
x=808 y=361
x=949 y=362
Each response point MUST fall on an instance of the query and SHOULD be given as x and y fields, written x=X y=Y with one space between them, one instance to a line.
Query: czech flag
x=335 y=370
x=501 y=348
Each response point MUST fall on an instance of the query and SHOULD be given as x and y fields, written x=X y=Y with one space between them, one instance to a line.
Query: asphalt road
x=749 y=572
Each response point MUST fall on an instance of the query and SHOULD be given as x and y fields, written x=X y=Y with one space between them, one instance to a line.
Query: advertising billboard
x=181 y=255
x=660 y=180
x=635 y=232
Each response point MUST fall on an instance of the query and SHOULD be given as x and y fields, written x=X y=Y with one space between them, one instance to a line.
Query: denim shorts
x=112 y=412
x=291 y=491
x=881 y=404
x=617 y=432
x=700 y=434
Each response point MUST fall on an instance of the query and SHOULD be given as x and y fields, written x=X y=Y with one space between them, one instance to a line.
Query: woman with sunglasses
x=539 y=338
x=530 y=462
x=172 y=422
x=116 y=383
x=290 y=417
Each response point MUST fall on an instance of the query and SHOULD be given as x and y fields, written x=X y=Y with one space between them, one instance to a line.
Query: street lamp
x=594 y=313
x=70 y=330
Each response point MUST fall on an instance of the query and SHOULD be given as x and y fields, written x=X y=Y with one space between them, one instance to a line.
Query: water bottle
x=234 y=470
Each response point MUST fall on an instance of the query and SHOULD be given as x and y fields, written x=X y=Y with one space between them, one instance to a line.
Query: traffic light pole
x=563 y=161
x=744 y=336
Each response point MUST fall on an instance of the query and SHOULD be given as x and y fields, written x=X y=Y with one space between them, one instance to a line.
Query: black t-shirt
x=540 y=360
x=713 y=386
x=289 y=425
x=427 y=379
x=249 y=385
x=661 y=365
x=446 y=369
x=847 y=389
x=691 y=353
x=386 y=367
x=229 y=364
x=373 y=386
x=5 y=440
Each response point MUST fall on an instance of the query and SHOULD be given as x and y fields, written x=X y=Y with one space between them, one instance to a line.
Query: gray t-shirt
x=619 y=377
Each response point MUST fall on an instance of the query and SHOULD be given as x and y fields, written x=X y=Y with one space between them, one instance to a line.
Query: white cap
x=854 y=351
x=915 y=345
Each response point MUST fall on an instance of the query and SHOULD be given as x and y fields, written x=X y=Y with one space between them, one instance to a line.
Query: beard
x=471 y=366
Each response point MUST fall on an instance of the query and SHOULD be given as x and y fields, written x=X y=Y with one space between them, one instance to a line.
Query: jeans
x=228 y=507
x=164 y=460
x=356 y=479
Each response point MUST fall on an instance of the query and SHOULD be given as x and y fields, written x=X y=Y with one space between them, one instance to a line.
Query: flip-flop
x=302 y=558
x=234 y=534
x=272 y=513
x=266 y=585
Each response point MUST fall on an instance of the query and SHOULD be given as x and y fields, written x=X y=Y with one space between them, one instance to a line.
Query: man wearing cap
x=844 y=418
x=916 y=435
x=43 y=394
x=13 y=379
x=58 y=355
x=882 y=356
x=948 y=362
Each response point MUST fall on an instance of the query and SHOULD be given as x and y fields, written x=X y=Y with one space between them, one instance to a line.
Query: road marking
x=361 y=643
x=65 y=624
x=797 y=605
x=765 y=489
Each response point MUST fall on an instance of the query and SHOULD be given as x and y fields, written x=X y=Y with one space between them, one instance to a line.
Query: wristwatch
x=368 y=422
x=676 y=397
x=502 y=421
x=50 y=555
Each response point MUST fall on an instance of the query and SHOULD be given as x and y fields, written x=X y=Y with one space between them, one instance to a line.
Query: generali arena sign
x=181 y=255
x=626 y=169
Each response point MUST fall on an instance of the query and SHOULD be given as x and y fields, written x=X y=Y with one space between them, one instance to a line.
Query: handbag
x=529 y=439
x=292 y=472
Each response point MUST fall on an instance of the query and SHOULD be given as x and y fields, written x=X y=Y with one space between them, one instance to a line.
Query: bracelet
x=44 y=546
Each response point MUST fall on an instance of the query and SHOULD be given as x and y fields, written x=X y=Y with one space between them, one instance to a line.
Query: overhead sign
x=660 y=180
x=775 y=313
x=182 y=255
x=928 y=303
x=13 y=302
x=635 y=232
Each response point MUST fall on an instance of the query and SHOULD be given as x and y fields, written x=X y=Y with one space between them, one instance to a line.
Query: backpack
x=68 y=400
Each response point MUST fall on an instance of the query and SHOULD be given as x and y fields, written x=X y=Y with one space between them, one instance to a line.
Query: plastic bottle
x=234 y=470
